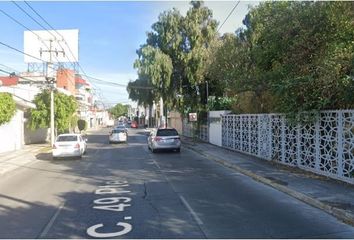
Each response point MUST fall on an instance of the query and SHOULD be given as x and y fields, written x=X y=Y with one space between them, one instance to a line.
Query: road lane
x=163 y=195
x=232 y=205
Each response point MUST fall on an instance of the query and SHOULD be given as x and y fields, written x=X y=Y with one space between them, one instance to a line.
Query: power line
x=32 y=18
x=21 y=24
x=17 y=50
x=24 y=11
x=50 y=26
x=40 y=16
x=39 y=37
x=229 y=15
x=95 y=88
x=12 y=74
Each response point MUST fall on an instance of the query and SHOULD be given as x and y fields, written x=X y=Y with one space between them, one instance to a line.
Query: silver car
x=164 y=139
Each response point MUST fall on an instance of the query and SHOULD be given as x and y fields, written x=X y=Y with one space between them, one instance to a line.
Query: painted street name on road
x=115 y=203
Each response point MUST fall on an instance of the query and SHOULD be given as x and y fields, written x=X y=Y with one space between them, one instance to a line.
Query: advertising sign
x=192 y=117
x=51 y=45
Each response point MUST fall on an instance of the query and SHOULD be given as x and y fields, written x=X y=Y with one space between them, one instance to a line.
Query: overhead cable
x=238 y=2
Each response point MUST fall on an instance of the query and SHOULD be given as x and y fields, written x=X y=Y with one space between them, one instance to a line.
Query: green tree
x=173 y=58
x=304 y=53
x=155 y=68
x=142 y=91
x=7 y=107
x=119 y=110
x=81 y=124
x=64 y=110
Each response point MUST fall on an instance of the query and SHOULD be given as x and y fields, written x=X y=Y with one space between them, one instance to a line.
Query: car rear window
x=167 y=132
x=67 y=139
x=118 y=131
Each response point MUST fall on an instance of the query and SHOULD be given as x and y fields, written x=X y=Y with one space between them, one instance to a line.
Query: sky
x=110 y=32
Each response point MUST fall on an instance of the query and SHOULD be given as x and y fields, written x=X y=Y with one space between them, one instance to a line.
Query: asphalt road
x=125 y=191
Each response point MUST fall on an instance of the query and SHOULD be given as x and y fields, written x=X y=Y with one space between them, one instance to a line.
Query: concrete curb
x=340 y=214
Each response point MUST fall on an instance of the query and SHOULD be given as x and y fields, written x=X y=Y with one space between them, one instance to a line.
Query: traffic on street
x=126 y=191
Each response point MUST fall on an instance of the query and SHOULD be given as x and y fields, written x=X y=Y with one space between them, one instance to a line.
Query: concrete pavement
x=10 y=161
x=334 y=197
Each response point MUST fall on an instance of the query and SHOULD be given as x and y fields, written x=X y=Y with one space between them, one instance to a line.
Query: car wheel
x=54 y=158
x=178 y=150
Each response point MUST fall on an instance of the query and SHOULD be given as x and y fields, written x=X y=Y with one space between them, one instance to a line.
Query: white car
x=69 y=145
x=118 y=135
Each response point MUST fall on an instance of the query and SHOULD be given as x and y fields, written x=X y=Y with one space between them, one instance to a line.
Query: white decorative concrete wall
x=215 y=125
x=325 y=146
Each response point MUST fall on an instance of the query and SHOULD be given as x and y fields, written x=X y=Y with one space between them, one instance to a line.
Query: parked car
x=69 y=145
x=164 y=139
x=134 y=124
x=118 y=135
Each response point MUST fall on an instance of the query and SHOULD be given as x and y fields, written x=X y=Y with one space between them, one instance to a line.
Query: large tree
x=155 y=68
x=304 y=53
x=119 y=110
x=64 y=111
x=179 y=46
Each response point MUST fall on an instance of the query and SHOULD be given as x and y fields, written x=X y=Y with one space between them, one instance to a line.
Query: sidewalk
x=10 y=161
x=334 y=197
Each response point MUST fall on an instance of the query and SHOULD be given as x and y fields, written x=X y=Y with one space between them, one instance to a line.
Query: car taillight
x=157 y=139
x=77 y=145
x=54 y=147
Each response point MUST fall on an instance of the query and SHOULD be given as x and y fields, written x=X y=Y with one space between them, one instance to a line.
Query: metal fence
x=201 y=132
x=325 y=146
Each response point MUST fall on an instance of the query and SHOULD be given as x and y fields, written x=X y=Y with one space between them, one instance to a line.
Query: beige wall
x=11 y=134
x=175 y=121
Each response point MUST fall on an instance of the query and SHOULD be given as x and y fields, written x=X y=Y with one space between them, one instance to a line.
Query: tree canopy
x=64 y=111
x=119 y=110
x=290 y=57
x=173 y=58
x=7 y=108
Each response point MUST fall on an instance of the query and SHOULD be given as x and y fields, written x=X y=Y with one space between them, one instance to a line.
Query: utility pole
x=51 y=81
x=162 y=117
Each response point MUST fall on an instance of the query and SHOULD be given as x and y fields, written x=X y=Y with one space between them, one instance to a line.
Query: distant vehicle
x=69 y=145
x=118 y=135
x=122 y=126
x=164 y=139
x=110 y=123
x=134 y=124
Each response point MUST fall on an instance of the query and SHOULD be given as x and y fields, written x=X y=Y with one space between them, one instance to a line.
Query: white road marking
x=51 y=222
x=157 y=165
x=195 y=216
x=127 y=218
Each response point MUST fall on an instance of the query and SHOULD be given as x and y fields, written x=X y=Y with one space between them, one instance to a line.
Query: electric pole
x=51 y=81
